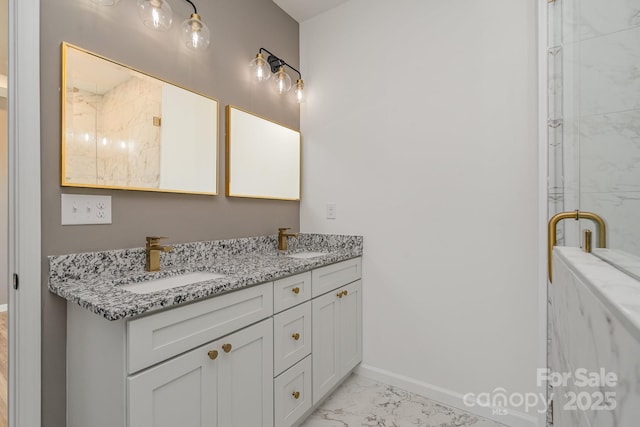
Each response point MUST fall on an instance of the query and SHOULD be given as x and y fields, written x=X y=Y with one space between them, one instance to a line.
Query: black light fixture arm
x=275 y=62
x=193 y=5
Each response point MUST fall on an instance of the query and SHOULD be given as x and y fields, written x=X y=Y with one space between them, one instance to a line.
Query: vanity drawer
x=292 y=336
x=330 y=277
x=155 y=338
x=294 y=382
x=291 y=291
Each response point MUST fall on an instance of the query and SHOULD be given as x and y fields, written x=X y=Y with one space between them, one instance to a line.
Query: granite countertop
x=94 y=280
x=616 y=289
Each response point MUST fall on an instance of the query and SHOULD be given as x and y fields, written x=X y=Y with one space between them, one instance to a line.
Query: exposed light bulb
x=260 y=69
x=155 y=14
x=300 y=90
x=195 y=33
x=282 y=81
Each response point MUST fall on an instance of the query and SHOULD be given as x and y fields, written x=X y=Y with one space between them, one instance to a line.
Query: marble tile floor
x=360 y=401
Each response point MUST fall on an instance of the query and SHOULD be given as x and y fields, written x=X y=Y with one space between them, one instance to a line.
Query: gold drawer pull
x=213 y=354
x=296 y=336
x=340 y=294
x=226 y=348
x=296 y=394
x=345 y=292
x=296 y=290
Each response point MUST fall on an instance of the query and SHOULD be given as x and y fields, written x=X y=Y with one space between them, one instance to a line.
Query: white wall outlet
x=84 y=209
x=331 y=210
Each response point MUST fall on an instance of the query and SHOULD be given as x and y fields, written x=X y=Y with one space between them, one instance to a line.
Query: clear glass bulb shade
x=195 y=33
x=282 y=81
x=105 y=2
x=155 y=14
x=260 y=69
x=300 y=91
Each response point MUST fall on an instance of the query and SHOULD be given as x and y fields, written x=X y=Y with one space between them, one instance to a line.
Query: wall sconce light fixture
x=155 y=14
x=158 y=15
x=261 y=70
x=195 y=33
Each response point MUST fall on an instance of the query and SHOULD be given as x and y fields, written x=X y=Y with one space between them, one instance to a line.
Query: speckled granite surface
x=93 y=280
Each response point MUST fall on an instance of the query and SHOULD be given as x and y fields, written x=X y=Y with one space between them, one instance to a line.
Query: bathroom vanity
x=242 y=351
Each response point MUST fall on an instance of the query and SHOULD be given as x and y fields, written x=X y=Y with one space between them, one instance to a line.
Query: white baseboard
x=447 y=397
x=3 y=307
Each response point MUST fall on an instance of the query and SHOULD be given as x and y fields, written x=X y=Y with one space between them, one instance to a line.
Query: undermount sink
x=305 y=255
x=170 y=282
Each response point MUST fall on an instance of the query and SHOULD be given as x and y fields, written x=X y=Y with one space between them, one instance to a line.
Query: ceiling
x=301 y=10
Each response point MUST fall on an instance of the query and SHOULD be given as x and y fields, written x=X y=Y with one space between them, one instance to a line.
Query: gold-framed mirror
x=125 y=129
x=263 y=157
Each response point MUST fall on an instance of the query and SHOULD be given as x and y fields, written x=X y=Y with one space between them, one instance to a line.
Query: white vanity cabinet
x=264 y=356
x=337 y=336
x=212 y=385
x=201 y=364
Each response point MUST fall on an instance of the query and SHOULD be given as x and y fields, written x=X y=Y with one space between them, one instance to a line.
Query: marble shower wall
x=601 y=109
x=595 y=328
x=114 y=141
x=129 y=147
x=80 y=159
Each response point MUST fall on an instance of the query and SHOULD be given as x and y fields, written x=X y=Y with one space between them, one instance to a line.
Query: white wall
x=421 y=125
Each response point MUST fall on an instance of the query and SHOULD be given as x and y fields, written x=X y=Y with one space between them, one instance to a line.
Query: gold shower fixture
x=577 y=215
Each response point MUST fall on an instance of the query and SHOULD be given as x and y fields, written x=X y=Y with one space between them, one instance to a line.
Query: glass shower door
x=594 y=118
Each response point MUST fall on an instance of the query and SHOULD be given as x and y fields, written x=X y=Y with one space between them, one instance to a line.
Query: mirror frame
x=229 y=153
x=63 y=181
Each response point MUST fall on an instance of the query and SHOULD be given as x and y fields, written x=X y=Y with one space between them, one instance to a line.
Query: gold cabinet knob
x=339 y=294
x=345 y=292
x=296 y=394
x=226 y=348
x=213 y=354
x=296 y=290
x=296 y=336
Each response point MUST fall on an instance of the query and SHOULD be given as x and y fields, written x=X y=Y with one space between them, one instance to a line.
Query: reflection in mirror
x=263 y=158
x=125 y=129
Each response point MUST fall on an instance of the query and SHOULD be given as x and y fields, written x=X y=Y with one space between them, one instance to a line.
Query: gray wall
x=239 y=28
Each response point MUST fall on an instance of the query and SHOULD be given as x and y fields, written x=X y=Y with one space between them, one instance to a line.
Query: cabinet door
x=292 y=393
x=350 y=327
x=179 y=392
x=245 y=382
x=325 y=337
x=291 y=336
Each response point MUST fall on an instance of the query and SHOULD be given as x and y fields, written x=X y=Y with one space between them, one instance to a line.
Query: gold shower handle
x=553 y=222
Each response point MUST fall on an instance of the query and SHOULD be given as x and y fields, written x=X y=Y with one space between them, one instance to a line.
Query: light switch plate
x=85 y=209
x=331 y=210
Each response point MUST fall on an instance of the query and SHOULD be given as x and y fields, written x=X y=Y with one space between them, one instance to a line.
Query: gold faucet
x=153 y=250
x=282 y=238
